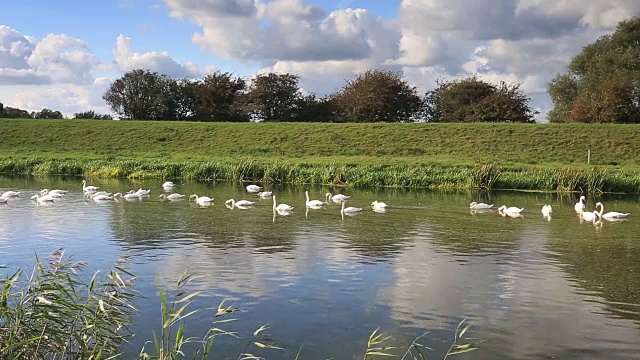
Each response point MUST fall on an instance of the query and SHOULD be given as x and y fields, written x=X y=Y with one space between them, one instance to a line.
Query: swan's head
x=229 y=201
x=194 y=196
x=162 y=196
x=374 y=202
x=473 y=204
x=328 y=194
x=34 y=197
x=117 y=195
x=599 y=204
x=501 y=208
x=582 y=197
x=44 y=191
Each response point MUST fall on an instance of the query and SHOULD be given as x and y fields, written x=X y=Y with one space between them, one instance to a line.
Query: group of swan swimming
x=92 y=193
x=580 y=207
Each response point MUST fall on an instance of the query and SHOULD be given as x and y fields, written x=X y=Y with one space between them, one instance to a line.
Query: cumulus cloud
x=54 y=59
x=161 y=62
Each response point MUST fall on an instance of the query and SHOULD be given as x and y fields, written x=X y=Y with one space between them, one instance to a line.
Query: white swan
x=3 y=200
x=52 y=192
x=313 y=203
x=95 y=194
x=241 y=204
x=579 y=206
x=337 y=197
x=168 y=184
x=127 y=196
x=142 y=192
x=589 y=215
x=89 y=188
x=510 y=210
x=10 y=193
x=546 y=210
x=480 y=206
x=611 y=215
x=201 y=200
x=378 y=205
x=253 y=188
x=349 y=209
x=281 y=207
x=265 y=194
x=103 y=197
x=43 y=199
x=56 y=195
x=171 y=196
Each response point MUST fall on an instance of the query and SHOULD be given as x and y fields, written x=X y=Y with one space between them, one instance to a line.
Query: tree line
x=373 y=96
x=601 y=85
x=15 y=113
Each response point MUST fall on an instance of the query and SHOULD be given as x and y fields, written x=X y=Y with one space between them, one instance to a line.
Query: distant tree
x=14 y=113
x=375 y=96
x=218 y=98
x=92 y=115
x=47 y=114
x=272 y=97
x=1 y=109
x=602 y=84
x=142 y=95
x=474 y=100
x=310 y=108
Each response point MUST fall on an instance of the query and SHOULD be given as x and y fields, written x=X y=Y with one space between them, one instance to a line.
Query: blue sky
x=63 y=55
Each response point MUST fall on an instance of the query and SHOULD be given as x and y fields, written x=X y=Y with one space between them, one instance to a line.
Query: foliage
x=55 y=313
x=273 y=97
x=47 y=114
x=142 y=95
x=92 y=115
x=602 y=83
x=474 y=100
x=376 y=96
x=216 y=98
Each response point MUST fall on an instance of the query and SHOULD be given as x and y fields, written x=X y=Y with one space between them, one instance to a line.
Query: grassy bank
x=534 y=157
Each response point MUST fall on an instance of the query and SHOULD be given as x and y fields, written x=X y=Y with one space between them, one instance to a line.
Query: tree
x=272 y=97
x=217 y=98
x=474 y=100
x=374 y=96
x=602 y=83
x=142 y=95
x=47 y=114
x=92 y=115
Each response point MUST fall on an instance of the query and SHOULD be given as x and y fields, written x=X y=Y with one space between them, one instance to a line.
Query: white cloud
x=54 y=59
x=161 y=62
x=60 y=72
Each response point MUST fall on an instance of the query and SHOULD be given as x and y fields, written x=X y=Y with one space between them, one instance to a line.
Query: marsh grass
x=54 y=313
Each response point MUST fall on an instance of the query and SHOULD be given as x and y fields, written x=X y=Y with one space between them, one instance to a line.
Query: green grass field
x=164 y=149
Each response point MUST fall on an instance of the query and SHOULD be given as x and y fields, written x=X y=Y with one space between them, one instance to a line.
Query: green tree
x=272 y=97
x=474 y=100
x=602 y=82
x=375 y=96
x=92 y=115
x=142 y=95
x=47 y=114
x=218 y=98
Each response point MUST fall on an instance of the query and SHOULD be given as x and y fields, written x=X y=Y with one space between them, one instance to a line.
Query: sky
x=63 y=54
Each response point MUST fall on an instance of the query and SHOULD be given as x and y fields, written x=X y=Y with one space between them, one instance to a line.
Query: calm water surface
x=533 y=288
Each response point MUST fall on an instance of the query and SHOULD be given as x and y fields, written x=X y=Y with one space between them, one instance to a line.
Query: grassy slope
x=449 y=144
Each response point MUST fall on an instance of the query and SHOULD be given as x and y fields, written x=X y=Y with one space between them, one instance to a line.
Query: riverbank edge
x=597 y=179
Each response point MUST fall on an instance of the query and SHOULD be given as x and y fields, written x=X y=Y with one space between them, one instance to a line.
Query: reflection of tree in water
x=606 y=262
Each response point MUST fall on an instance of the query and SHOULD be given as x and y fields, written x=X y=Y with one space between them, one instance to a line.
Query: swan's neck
x=342 y=210
x=306 y=193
